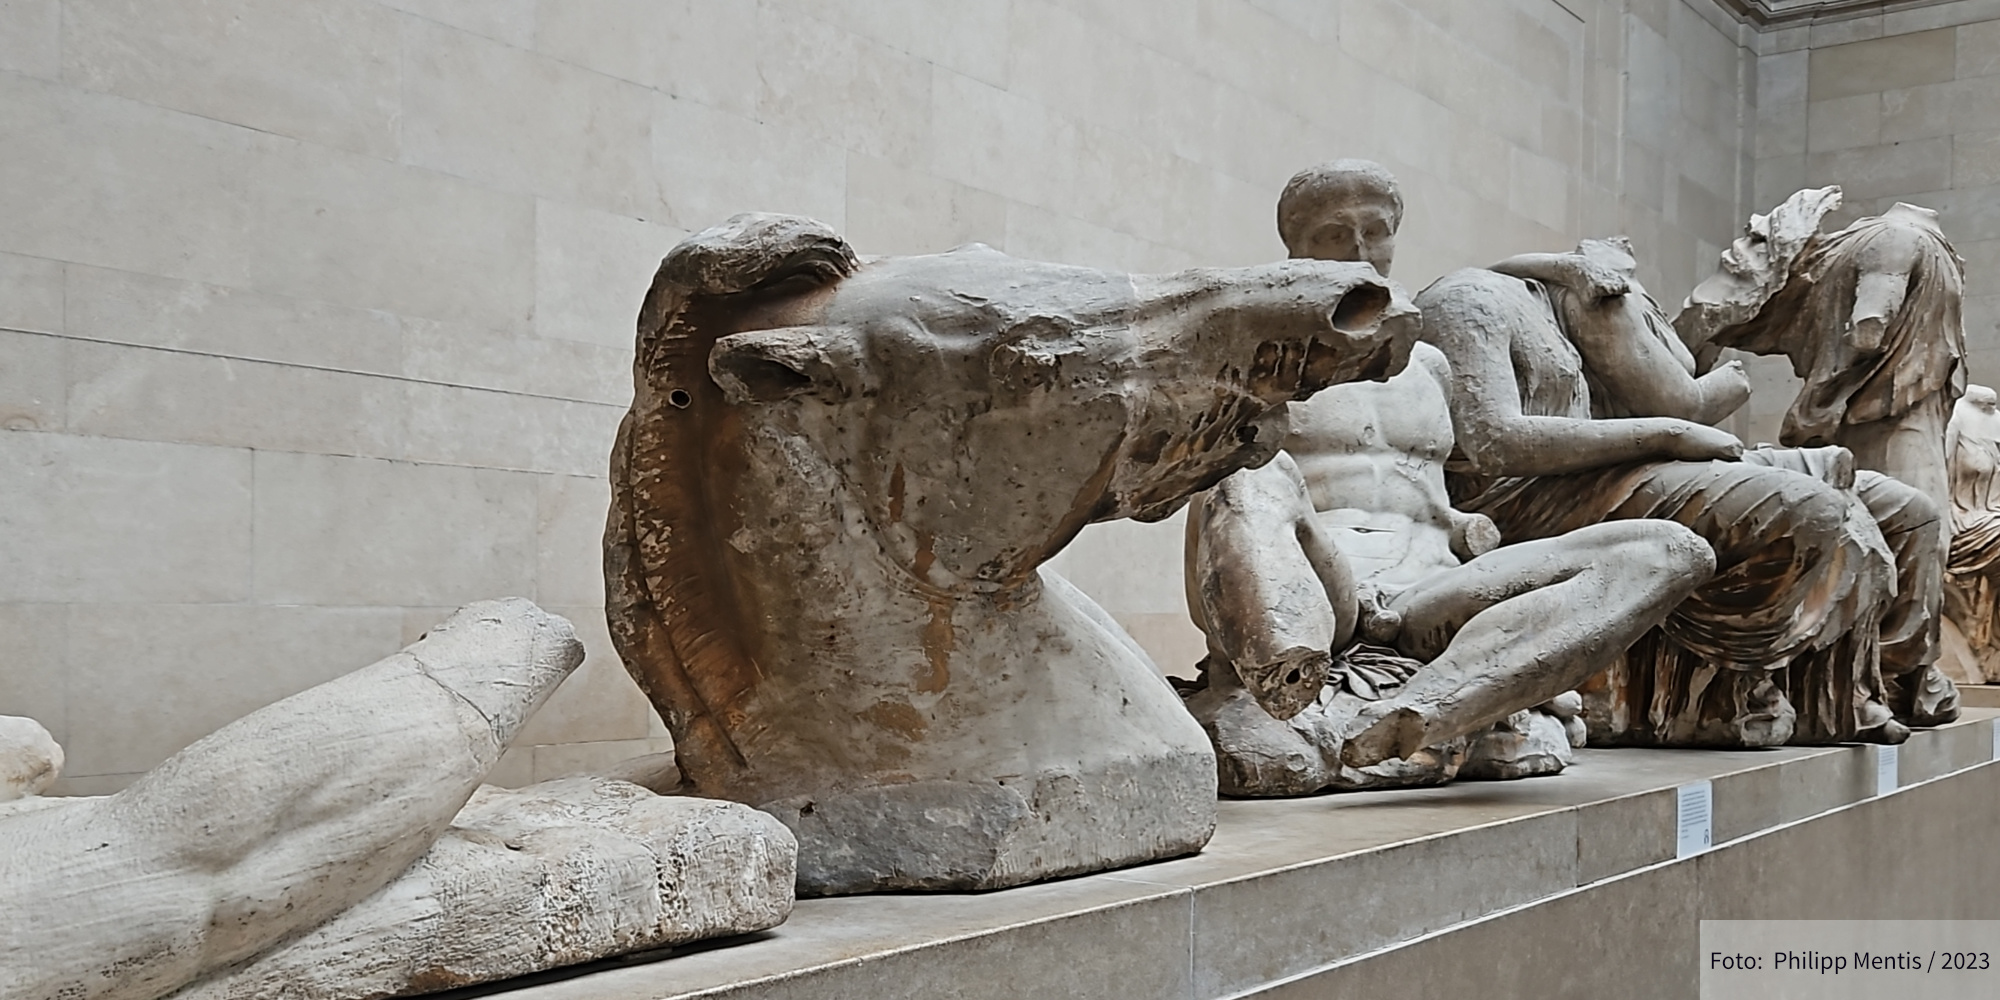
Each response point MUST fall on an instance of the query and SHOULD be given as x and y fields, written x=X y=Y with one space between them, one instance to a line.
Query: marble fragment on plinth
x=30 y=759
x=554 y=874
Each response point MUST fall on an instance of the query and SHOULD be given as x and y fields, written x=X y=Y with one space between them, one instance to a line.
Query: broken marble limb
x=1261 y=756
x=300 y=822
x=1636 y=362
x=1972 y=575
x=274 y=823
x=30 y=759
x=832 y=498
x=1266 y=586
x=554 y=874
x=1522 y=625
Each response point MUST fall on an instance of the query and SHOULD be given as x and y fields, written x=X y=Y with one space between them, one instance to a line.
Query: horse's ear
x=745 y=254
x=768 y=366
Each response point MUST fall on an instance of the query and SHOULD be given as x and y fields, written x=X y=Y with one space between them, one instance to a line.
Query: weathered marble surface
x=274 y=857
x=834 y=490
x=1870 y=318
x=1971 y=593
x=553 y=874
x=274 y=823
x=1753 y=269
x=30 y=759
x=1363 y=633
x=1784 y=641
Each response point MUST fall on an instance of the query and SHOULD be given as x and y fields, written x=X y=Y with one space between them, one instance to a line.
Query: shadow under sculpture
x=338 y=845
x=831 y=499
x=1361 y=632
x=1577 y=404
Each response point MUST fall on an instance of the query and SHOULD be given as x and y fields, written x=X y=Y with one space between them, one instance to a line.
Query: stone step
x=1568 y=885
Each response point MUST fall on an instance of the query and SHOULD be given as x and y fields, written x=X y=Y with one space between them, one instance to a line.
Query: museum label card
x=1694 y=818
x=1887 y=765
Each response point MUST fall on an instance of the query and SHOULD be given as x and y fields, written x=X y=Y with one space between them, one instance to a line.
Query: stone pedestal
x=1565 y=886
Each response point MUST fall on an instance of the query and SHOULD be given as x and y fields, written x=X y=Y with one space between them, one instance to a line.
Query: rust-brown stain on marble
x=937 y=638
x=898 y=717
x=896 y=487
x=676 y=619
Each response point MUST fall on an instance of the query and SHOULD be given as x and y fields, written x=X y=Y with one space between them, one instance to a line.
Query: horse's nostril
x=1293 y=677
x=1360 y=309
x=680 y=399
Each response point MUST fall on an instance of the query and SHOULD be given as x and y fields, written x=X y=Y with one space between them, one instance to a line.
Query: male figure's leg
x=1791 y=579
x=1266 y=586
x=1523 y=624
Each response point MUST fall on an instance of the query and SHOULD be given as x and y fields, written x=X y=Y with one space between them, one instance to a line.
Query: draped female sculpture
x=1971 y=590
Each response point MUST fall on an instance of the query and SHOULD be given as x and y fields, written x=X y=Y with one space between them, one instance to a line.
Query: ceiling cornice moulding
x=1788 y=13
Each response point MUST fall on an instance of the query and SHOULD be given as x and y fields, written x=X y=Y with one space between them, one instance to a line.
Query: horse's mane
x=676 y=619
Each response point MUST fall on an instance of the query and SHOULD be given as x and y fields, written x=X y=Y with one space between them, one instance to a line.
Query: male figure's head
x=1342 y=210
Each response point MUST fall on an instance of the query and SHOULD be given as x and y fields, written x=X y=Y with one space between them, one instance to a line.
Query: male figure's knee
x=1898 y=507
x=1668 y=545
x=1816 y=521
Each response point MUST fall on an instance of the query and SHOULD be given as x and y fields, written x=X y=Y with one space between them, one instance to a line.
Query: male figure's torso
x=1373 y=459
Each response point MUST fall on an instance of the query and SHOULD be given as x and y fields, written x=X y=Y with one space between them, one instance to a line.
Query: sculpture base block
x=1979 y=695
x=1563 y=886
x=943 y=835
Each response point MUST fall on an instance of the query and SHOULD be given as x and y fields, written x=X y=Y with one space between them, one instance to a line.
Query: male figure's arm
x=1472 y=535
x=1629 y=346
x=1882 y=281
x=1471 y=317
x=1589 y=278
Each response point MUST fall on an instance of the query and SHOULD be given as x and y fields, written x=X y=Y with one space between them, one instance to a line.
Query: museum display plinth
x=1553 y=887
x=1980 y=695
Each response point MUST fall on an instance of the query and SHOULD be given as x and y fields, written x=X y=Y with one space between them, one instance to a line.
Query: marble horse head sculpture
x=831 y=499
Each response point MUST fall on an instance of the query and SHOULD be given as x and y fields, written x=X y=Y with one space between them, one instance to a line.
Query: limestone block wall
x=315 y=318
x=1898 y=106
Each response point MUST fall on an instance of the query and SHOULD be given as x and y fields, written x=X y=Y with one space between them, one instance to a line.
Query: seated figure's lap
x=1771 y=528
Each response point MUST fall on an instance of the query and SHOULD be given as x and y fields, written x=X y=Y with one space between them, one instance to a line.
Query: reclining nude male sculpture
x=831 y=499
x=1346 y=544
x=1576 y=404
x=337 y=845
